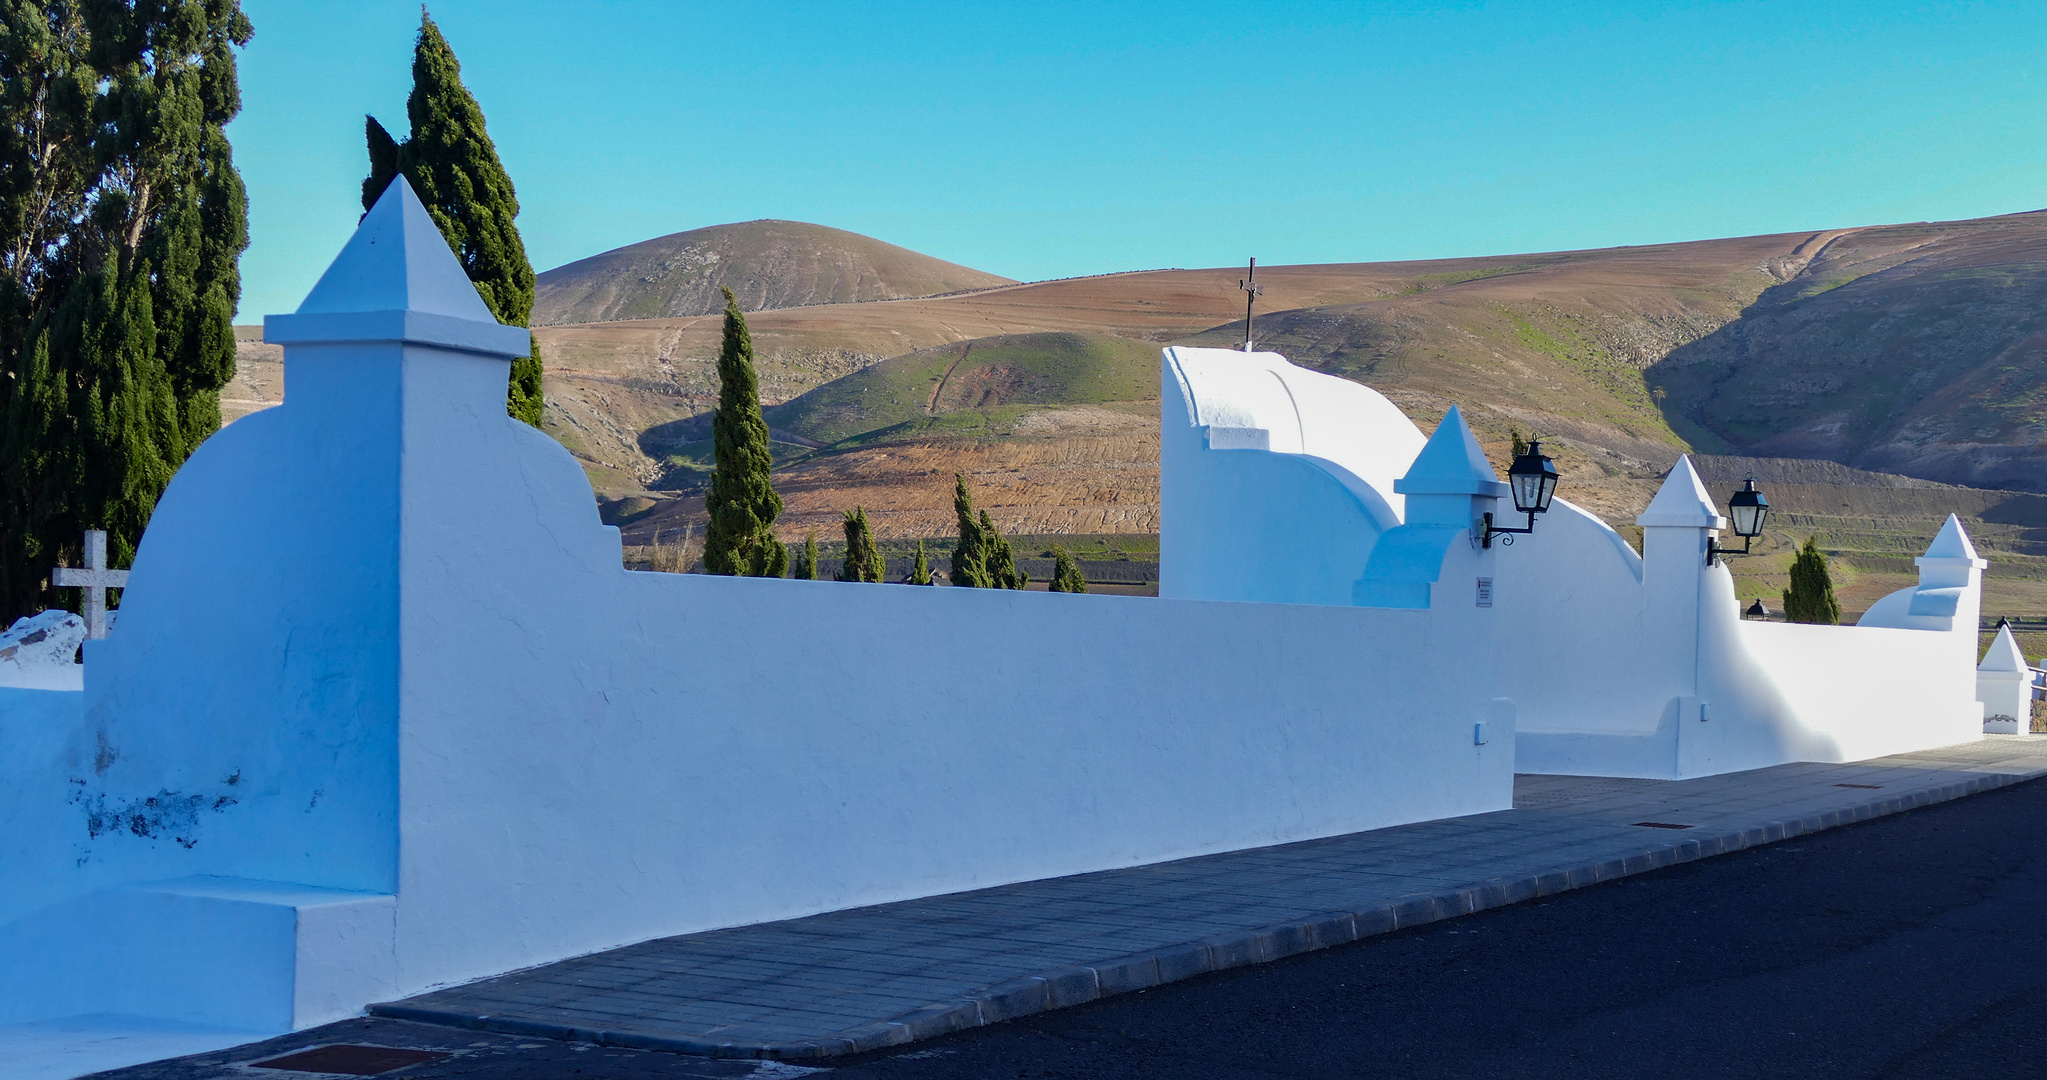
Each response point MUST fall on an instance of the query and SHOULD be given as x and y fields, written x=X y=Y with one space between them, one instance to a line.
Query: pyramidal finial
x=1682 y=501
x=397 y=261
x=396 y=280
x=2004 y=654
x=1451 y=463
x=1951 y=542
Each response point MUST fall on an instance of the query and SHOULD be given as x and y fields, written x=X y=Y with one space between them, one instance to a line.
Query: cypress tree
x=863 y=558
x=122 y=220
x=920 y=573
x=1810 y=598
x=999 y=559
x=969 y=557
x=1066 y=576
x=742 y=502
x=806 y=560
x=983 y=559
x=454 y=169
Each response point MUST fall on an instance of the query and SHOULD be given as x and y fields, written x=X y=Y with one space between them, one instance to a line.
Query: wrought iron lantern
x=1532 y=479
x=1746 y=508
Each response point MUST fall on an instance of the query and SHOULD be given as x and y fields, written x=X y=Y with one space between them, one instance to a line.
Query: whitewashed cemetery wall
x=383 y=711
x=1617 y=664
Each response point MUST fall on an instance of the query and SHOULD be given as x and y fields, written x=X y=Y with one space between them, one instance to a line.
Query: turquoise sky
x=1053 y=139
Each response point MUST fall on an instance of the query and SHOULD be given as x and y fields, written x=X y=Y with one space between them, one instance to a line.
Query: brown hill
x=767 y=264
x=1917 y=349
x=1624 y=357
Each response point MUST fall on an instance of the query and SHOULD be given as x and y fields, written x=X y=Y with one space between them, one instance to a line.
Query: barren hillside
x=766 y=264
x=1912 y=349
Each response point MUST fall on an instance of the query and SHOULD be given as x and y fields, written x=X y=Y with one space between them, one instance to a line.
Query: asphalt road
x=1910 y=946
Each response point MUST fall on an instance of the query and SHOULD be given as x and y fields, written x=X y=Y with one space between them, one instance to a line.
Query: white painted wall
x=379 y=659
x=1691 y=689
x=1617 y=664
x=1275 y=481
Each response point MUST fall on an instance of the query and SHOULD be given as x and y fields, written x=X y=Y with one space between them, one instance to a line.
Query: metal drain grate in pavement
x=1659 y=825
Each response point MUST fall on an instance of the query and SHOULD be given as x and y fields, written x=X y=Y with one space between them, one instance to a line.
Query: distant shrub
x=806 y=559
x=1810 y=599
x=920 y=574
x=863 y=559
x=1066 y=576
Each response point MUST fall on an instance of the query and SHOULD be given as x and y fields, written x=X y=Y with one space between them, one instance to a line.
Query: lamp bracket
x=1482 y=536
x=1714 y=550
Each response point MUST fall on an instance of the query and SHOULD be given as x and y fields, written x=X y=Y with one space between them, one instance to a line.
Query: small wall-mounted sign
x=1485 y=592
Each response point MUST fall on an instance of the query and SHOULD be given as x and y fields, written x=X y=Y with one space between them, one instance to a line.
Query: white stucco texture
x=1618 y=664
x=385 y=712
x=2004 y=684
x=1311 y=460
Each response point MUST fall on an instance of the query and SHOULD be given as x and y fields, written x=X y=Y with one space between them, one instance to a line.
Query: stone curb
x=1064 y=987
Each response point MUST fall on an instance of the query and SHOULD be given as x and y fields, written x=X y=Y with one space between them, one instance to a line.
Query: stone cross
x=95 y=579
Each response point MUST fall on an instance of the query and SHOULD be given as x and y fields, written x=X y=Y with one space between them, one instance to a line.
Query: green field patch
x=971 y=388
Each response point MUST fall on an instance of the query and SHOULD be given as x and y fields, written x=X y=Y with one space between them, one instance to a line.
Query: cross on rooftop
x=95 y=579
x=1249 y=283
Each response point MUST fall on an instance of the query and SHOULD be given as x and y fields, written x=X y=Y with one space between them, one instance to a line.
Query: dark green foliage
x=999 y=559
x=1066 y=576
x=863 y=559
x=742 y=502
x=969 y=557
x=1520 y=444
x=121 y=222
x=454 y=169
x=1810 y=599
x=806 y=559
x=920 y=574
x=983 y=559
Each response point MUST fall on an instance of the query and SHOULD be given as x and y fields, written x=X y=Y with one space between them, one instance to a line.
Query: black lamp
x=1747 y=508
x=1533 y=481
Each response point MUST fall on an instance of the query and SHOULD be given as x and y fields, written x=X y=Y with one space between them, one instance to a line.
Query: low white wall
x=2007 y=699
x=600 y=756
x=1777 y=692
x=1581 y=652
x=376 y=641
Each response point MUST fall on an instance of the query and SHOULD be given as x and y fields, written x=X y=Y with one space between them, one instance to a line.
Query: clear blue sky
x=1050 y=139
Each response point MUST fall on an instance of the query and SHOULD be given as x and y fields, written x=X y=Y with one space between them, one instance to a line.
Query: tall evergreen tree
x=863 y=558
x=983 y=559
x=742 y=501
x=454 y=169
x=1810 y=597
x=969 y=557
x=806 y=559
x=122 y=219
x=1066 y=575
x=920 y=571
x=999 y=559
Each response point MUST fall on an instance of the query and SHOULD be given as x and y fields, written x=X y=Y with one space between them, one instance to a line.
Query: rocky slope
x=1917 y=349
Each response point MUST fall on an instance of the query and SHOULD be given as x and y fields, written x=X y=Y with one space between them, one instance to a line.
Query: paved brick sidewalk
x=877 y=976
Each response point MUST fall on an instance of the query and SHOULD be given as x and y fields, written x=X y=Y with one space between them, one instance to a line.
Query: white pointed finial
x=2004 y=654
x=396 y=280
x=1682 y=502
x=1951 y=542
x=1451 y=463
